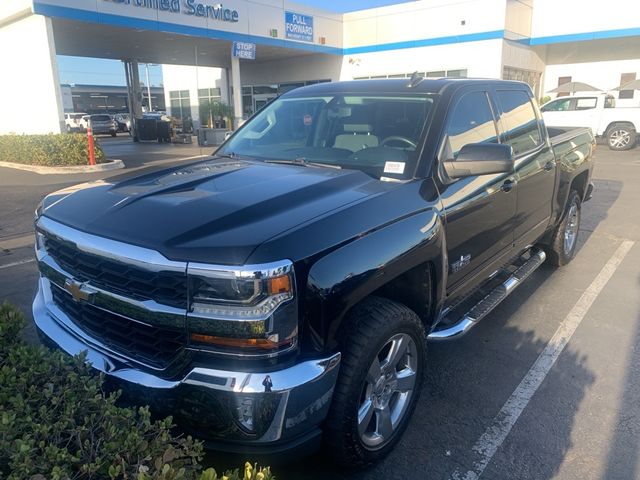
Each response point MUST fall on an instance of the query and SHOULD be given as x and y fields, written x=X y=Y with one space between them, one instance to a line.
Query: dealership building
x=246 y=52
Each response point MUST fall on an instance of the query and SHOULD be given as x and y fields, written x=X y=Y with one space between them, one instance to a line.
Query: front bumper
x=232 y=410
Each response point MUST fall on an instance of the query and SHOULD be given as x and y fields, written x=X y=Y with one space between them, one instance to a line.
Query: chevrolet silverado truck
x=282 y=291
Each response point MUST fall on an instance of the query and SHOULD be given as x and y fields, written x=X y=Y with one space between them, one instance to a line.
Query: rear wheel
x=621 y=137
x=381 y=375
x=565 y=240
x=113 y=134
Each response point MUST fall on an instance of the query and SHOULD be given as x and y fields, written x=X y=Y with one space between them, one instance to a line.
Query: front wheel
x=381 y=376
x=621 y=137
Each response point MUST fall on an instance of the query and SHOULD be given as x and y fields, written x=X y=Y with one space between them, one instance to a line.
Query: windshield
x=377 y=134
x=100 y=118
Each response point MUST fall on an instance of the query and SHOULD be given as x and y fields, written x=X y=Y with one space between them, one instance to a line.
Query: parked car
x=123 y=122
x=618 y=125
x=101 y=124
x=282 y=290
x=72 y=122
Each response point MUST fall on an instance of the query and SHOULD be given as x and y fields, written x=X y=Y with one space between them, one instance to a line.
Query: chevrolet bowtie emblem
x=79 y=291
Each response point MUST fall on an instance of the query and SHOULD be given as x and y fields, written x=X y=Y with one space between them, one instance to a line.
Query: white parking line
x=497 y=432
x=15 y=264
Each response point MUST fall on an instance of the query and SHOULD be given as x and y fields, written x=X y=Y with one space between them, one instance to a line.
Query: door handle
x=508 y=185
x=549 y=165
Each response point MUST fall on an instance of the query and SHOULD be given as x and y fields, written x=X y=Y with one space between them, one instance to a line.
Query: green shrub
x=544 y=100
x=57 y=423
x=48 y=150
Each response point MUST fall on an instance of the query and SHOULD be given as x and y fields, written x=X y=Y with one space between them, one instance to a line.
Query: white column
x=237 y=91
x=29 y=82
x=135 y=88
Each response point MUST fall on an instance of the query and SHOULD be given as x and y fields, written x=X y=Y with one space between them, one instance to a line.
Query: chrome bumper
x=246 y=407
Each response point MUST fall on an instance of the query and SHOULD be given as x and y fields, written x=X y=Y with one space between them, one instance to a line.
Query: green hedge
x=57 y=423
x=48 y=150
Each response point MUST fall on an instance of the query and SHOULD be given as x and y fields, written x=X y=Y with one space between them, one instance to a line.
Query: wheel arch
x=579 y=184
x=381 y=264
x=621 y=123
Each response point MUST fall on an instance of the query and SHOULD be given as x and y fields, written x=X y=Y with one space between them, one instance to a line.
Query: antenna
x=415 y=79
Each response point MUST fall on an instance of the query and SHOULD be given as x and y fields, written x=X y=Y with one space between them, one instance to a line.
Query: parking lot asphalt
x=488 y=410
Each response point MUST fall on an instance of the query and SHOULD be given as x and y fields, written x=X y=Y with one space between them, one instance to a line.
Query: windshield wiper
x=303 y=162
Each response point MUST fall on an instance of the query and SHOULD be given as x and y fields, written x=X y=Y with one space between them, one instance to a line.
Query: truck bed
x=559 y=135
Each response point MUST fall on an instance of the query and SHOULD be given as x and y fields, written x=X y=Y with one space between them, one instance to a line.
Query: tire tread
x=362 y=333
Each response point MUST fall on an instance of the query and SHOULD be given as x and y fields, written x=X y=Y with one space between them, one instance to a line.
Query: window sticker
x=394 y=167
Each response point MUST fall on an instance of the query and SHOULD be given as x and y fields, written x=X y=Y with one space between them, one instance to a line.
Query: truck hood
x=214 y=211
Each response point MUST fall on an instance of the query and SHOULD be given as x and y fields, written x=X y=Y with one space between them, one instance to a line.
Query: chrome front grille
x=128 y=299
x=152 y=346
x=166 y=288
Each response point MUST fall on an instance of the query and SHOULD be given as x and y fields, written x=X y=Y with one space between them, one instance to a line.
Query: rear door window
x=519 y=121
x=471 y=121
x=586 y=103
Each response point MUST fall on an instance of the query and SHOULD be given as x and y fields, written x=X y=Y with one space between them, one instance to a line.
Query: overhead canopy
x=572 y=87
x=83 y=39
x=632 y=85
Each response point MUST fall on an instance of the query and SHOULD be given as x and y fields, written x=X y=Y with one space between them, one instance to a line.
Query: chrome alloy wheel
x=619 y=138
x=386 y=393
x=571 y=229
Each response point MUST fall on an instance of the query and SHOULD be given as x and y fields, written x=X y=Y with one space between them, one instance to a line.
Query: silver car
x=103 y=124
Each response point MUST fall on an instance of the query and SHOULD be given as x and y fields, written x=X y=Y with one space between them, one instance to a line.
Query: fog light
x=245 y=412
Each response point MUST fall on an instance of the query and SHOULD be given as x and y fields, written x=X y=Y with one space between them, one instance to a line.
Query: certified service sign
x=298 y=26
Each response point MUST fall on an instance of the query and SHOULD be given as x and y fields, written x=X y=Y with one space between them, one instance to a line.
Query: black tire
x=369 y=328
x=621 y=136
x=113 y=134
x=558 y=252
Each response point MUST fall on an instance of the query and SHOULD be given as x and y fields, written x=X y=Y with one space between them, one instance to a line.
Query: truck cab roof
x=399 y=85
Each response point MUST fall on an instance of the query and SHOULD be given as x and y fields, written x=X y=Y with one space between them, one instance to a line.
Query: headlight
x=249 y=310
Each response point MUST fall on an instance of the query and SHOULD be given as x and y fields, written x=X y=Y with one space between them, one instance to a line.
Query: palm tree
x=221 y=109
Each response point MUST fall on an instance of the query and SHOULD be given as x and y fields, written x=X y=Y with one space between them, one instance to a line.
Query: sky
x=95 y=71
x=98 y=71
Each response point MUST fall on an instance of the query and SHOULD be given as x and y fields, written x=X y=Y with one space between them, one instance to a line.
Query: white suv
x=73 y=122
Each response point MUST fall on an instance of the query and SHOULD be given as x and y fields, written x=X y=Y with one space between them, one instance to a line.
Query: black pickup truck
x=282 y=290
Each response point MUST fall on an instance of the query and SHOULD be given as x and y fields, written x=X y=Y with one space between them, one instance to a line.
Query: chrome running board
x=491 y=301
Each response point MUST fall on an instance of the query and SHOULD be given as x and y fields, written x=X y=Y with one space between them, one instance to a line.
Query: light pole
x=146 y=67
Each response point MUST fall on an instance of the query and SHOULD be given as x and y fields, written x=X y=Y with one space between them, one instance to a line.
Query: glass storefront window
x=181 y=107
x=262 y=89
x=207 y=99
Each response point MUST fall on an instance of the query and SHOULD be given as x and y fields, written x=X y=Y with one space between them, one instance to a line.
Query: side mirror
x=480 y=159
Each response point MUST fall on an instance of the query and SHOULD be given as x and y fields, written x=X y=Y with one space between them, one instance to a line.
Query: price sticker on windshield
x=394 y=167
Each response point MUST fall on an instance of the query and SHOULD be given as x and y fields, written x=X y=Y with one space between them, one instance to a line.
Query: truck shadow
x=624 y=448
x=605 y=194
